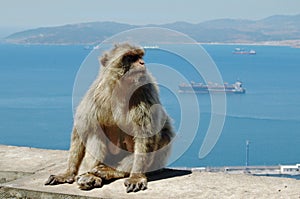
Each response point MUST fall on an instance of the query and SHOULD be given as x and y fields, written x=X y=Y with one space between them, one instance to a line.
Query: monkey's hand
x=88 y=181
x=136 y=182
x=60 y=179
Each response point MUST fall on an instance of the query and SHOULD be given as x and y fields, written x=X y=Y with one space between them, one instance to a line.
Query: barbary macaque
x=120 y=123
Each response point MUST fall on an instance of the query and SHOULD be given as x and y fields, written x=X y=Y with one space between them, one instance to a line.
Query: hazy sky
x=36 y=13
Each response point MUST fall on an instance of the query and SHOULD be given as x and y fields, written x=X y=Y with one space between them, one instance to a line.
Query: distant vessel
x=151 y=47
x=243 y=51
x=92 y=47
x=96 y=47
x=194 y=87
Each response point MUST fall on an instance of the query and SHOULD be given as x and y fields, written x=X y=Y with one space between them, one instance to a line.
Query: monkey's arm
x=76 y=154
x=142 y=159
x=148 y=119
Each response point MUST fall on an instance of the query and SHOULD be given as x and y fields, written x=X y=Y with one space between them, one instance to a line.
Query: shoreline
x=288 y=43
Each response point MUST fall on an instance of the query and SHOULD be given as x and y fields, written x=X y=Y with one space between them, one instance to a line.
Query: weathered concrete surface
x=24 y=170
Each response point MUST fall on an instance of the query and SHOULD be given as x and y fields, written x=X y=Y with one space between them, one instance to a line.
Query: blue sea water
x=36 y=84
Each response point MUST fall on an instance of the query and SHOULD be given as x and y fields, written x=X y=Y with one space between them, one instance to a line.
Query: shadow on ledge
x=161 y=174
x=166 y=173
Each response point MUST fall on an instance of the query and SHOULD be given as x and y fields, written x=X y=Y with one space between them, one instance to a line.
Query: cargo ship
x=194 y=87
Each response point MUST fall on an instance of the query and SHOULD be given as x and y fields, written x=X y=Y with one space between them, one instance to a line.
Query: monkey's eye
x=131 y=58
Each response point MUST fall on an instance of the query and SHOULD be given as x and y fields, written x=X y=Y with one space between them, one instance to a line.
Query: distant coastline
x=288 y=43
x=277 y=30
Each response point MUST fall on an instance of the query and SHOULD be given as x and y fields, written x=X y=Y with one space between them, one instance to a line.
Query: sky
x=24 y=14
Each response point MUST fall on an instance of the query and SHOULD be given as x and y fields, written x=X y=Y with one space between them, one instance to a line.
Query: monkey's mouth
x=135 y=75
x=136 y=72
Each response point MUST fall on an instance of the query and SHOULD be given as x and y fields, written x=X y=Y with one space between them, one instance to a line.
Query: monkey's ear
x=103 y=60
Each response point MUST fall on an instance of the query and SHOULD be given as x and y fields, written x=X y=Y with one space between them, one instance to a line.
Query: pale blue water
x=36 y=85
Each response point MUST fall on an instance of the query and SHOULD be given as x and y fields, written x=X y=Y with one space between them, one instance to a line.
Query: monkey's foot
x=88 y=181
x=60 y=179
x=107 y=173
x=136 y=183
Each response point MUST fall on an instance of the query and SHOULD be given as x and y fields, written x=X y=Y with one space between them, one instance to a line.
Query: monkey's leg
x=93 y=179
x=108 y=173
x=76 y=154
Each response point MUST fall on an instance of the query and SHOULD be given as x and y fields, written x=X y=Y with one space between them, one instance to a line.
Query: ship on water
x=194 y=87
x=151 y=47
x=242 y=51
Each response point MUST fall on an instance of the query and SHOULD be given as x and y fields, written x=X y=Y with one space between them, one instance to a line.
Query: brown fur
x=120 y=123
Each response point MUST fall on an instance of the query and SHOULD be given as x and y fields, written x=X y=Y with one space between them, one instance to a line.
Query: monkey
x=120 y=123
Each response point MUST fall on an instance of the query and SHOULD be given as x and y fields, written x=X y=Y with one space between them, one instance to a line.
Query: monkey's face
x=125 y=62
x=122 y=56
x=133 y=63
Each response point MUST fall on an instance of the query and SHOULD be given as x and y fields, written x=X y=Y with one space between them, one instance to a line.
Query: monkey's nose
x=142 y=62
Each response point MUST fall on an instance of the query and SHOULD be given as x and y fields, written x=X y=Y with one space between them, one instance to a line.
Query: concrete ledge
x=23 y=172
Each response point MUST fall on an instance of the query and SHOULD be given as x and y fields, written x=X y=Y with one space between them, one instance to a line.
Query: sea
x=36 y=103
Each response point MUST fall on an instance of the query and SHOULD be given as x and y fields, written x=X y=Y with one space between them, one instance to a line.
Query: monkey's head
x=124 y=72
x=124 y=59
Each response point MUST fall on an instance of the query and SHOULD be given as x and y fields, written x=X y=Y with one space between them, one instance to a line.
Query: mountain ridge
x=274 y=28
